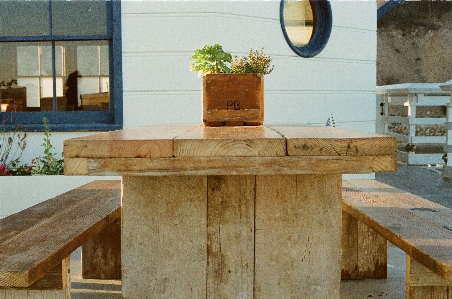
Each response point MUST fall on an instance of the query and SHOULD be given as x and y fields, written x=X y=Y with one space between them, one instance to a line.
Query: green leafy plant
x=213 y=60
x=210 y=60
x=12 y=145
x=49 y=163
x=255 y=63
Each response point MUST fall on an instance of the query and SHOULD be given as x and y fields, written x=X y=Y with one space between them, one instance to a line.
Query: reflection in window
x=93 y=67
x=298 y=21
x=60 y=76
x=57 y=56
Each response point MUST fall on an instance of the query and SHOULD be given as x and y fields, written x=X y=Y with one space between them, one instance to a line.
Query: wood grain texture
x=230 y=236
x=54 y=285
x=36 y=239
x=145 y=142
x=236 y=165
x=408 y=221
x=297 y=236
x=364 y=252
x=161 y=147
x=229 y=98
x=241 y=141
x=422 y=283
x=329 y=141
x=421 y=276
x=57 y=278
x=349 y=247
x=101 y=255
x=164 y=250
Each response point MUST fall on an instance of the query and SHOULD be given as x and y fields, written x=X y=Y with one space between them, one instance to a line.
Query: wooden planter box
x=233 y=99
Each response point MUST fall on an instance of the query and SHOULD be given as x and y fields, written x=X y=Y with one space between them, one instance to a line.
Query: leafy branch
x=49 y=163
x=255 y=63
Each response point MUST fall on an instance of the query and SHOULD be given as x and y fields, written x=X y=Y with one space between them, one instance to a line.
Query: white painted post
x=412 y=106
x=447 y=169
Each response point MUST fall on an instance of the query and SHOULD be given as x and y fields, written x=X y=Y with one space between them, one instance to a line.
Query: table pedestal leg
x=275 y=236
x=230 y=237
x=164 y=237
x=298 y=236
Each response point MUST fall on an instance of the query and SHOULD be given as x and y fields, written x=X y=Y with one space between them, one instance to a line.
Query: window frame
x=323 y=21
x=107 y=120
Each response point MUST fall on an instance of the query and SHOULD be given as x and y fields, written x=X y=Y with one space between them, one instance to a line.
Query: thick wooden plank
x=429 y=292
x=161 y=148
x=433 y=212
x=254 y=141
x=101 y=255
x=164 y=230
x=422 y=283
x=349 y=247
x=230 y=236
x=235 y=165
x=30 y=249
x=55 y=284
x=152 y=141
x=364 y=252
x=297 y=250
x=372 y=253
x=14 y=224
x=421 y=276
x=57 y=278
x=329 y=141
x=424 y=239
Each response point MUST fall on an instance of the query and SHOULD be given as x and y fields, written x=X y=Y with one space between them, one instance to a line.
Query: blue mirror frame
x=323 y=23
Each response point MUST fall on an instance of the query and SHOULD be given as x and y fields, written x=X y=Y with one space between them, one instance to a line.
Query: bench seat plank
x=415 y=225
x=69 y=220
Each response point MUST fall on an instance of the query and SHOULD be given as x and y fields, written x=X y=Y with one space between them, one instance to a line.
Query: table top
x=194 y=149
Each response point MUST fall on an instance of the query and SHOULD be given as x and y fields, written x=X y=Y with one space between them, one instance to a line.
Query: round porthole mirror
x=306 y=25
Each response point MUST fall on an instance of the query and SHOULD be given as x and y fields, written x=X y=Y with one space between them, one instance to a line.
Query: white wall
x=159 y=37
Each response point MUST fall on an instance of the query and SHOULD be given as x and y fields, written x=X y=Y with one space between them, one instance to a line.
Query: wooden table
x=230 y=212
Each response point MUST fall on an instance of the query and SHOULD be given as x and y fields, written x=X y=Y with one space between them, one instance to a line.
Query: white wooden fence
x=415 y=113
x=447 y=169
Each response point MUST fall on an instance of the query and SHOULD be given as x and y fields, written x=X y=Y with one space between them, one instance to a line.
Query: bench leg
x=55 y=284
x=101 y=255
x=364 y=252
x=422 y=283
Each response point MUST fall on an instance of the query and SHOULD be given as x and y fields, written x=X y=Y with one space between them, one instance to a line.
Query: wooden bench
x=35 y=244
x=374 y=213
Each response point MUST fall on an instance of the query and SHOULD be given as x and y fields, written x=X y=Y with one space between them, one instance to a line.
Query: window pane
x=298 y=21
x=46 y=61
x=79 y=17
x=23 y=65
x=23 y=18
x=28 y=60
x=81 y=79
x=86 y=86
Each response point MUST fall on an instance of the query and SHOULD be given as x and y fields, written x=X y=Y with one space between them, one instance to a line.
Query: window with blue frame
x=306 y=25
x=61 y=60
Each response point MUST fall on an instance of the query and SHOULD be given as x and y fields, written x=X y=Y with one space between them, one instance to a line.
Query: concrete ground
x=424 y=181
